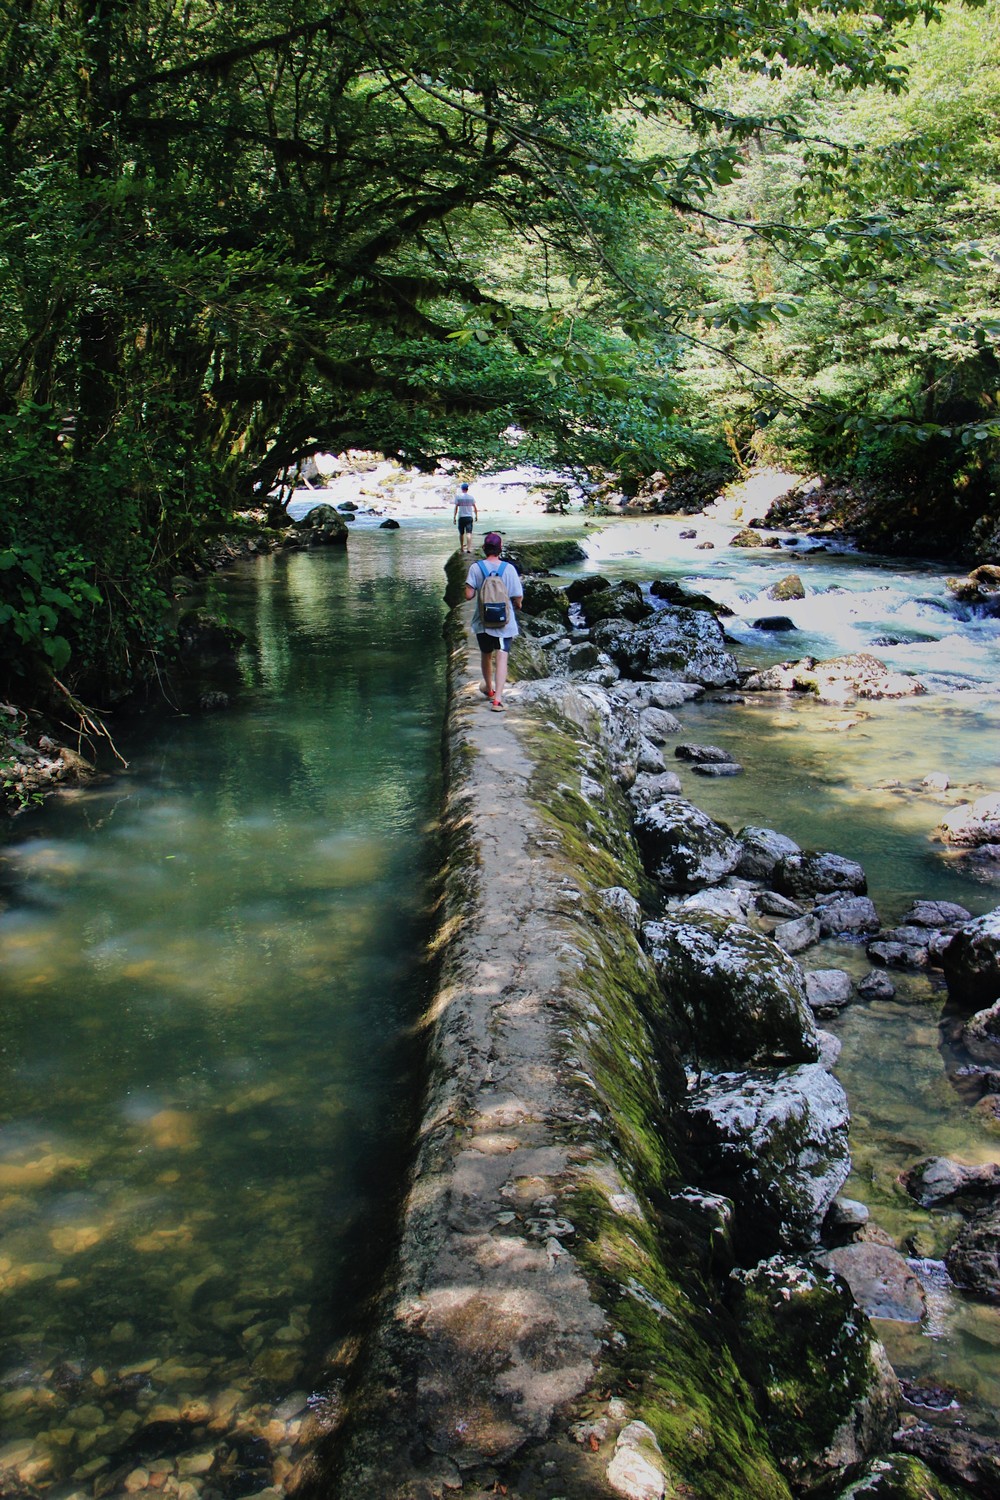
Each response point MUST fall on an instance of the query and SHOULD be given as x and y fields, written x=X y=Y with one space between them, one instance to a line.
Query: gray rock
x=702 y=754
x=682 y=847
x=622 y=602
x=973 y=1261
x=938 y=1179
x=876 y=985
x=812 y=873
x=658 y=725
x=831 y=1398
x=971 y=962
x=619 y=900
x=649 y=758
x=717 y=901
x=900 y=948
x=770 y=904
x=847 y=1216
x=583 y=657
x=743 y=999
x=981 y=1035
x=830 y=1048
x=880 y=1279
x=718 y=768
x=776 y=1143
x=656 y=694
x=828 y=990
x=648 y=788
x=935 y=914
x=674 y=645
x=968 y=1461
x=841 y=916
x=797 y=935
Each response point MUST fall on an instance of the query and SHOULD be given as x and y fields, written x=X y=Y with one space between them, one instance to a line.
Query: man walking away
x=498 y=592
x=466 y=511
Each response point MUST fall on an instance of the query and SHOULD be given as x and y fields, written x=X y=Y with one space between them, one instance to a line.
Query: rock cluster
x=766 y=1120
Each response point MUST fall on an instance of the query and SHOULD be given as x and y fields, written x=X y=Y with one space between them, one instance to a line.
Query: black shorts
x=488 y=643
x=464 y=524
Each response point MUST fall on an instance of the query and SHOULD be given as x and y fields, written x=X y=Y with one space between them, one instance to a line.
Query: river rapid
x=212 y=984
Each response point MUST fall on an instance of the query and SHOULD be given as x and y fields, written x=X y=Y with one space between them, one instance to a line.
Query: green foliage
x=37 y=617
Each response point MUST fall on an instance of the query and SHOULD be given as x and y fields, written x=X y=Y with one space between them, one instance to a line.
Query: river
x=211 y=983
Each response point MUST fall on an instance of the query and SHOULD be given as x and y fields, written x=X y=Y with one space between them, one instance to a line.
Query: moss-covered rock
x=742 y=999
x=830 y=1395
x=539 y=557
x=623 y=601
x=900 y=1476
x=775 y=1142
x=541 y=598
x=682 y=847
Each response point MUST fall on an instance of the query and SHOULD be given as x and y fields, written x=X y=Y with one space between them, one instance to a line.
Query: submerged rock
x=775 y=1142
x=981 y=1035
x=742 y=998
x=702 y=754
x=973 y=1261
x=682 y=847
x=880 y=1279
x=831 y=1395
x=938 y=1179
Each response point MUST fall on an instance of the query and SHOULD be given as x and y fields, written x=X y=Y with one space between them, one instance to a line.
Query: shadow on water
x=213 y=971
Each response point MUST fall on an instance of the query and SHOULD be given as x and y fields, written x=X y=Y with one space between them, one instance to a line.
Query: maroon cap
x=493 y=539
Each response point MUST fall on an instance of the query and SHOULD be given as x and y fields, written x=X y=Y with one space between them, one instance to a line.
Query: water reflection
x=211 y=971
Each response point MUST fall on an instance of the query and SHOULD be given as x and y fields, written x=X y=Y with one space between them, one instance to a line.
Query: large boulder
x=623 y=601
x=541 y=598
x=321 y=527
x=814 y=873
x=742 y=998
x=898 y=1476
x=971 y=962
x=591 y=583
x=831 y=1398
x=676 y=593
x=973 y=1261
x=775 y=1142
x=682 y=847
x=685 y=645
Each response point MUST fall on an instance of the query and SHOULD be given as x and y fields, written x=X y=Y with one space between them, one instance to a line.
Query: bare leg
x=487 y=664
x=501 y=677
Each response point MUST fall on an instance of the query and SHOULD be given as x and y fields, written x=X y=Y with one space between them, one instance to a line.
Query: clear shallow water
x=209 y=989
x=210 y=971
x=849 y=779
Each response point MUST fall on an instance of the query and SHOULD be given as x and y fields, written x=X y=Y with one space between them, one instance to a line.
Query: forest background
x=650 y=239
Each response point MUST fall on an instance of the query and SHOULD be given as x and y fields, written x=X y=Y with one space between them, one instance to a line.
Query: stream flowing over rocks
x=635 y=1144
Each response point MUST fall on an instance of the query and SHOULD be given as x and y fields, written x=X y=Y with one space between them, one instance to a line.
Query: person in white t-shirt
x=494 y=648
x=465 y=513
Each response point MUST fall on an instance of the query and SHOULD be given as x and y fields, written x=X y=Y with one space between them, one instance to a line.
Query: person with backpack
x=498 y=591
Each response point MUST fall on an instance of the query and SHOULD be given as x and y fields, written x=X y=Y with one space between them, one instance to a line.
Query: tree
x=236 y=232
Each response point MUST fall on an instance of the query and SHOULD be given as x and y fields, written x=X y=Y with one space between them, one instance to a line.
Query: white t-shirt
x=513 y=585
x=466 y=502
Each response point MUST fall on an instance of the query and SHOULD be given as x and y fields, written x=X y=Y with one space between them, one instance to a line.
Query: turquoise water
x=211 y=977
